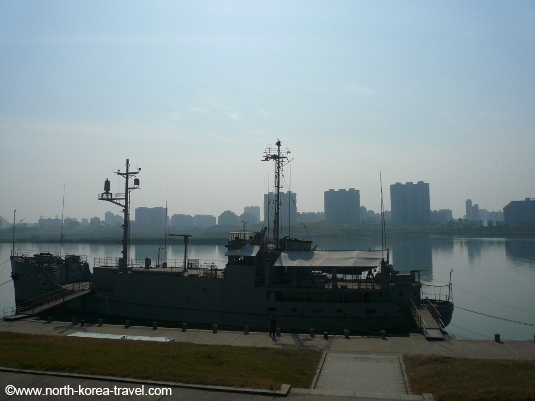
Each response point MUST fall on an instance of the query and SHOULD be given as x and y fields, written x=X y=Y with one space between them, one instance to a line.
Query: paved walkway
x=357 y=374
x=358 y=368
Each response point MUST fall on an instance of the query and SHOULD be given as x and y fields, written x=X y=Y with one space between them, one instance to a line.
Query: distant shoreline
x=219 y=236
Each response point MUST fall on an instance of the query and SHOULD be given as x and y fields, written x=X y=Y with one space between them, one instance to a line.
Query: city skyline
x=193 y=92
x=261 y=210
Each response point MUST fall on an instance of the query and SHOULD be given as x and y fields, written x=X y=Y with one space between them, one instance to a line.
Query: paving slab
x=358 y=374
x=417 y=344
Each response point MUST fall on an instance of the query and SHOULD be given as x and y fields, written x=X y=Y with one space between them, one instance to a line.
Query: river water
x=493 y=279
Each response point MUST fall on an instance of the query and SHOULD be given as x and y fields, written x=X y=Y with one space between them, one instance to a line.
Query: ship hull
x=235 y=302
x=38 y=275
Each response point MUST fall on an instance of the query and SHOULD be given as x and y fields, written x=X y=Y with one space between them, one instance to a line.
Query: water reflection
x=414 y=254
x=520 y=251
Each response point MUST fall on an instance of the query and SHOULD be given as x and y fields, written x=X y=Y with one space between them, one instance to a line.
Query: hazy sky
x=194 y=91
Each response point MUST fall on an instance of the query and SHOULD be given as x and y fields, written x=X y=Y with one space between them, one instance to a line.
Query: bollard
x=383 y=334
x=82 y=323
x=50 y=318
x=312 y=332
x=100 y=322
x=246 y=329
x=184 y=326
x=154 y=325
x=126 y=324
x=325 y=335
x=346 y=333
x=278 y=331
x=214 y=328
x=497 y=338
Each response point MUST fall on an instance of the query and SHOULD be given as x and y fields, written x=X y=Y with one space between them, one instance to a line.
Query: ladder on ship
x=64 y=294
x=428 y=320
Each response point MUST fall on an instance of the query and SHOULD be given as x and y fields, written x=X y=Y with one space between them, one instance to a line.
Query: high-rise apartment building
x=228 y=219
x=204 y=220
x=252 y=213
x=472 y=211
x=410 y=203
x=520 y=213
x=150 y=216
x=342 y=206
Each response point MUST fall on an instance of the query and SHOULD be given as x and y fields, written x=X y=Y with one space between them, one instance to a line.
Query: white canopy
x=340 y=260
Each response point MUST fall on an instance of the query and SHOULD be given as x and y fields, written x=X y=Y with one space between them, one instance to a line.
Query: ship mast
x=123 y=200
x=278 y=155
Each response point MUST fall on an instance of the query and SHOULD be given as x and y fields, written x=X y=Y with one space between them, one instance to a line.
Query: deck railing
x=62 y=294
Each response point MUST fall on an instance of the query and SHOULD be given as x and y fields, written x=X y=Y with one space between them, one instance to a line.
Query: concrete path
x=364 y=375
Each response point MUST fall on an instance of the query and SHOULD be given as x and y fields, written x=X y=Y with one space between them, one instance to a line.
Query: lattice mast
x=278 y=155
x=123 y=200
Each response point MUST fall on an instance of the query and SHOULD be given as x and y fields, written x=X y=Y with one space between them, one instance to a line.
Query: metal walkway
x=428 y=320
x=66 y=293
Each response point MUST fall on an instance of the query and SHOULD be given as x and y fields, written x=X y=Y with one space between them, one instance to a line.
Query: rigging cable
x=5 y=282
x=294 y=201
x=492 y=300
x=467 y=330
x=495 y=317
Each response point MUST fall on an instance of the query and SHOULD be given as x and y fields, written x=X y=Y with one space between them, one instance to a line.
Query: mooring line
x=496 y=317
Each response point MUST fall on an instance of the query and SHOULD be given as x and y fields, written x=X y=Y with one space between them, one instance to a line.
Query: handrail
x=420 y=322
x=435 y=313
x=63 y=292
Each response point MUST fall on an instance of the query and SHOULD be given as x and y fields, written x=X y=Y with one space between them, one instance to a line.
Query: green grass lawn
x=466 y=379
x=179 y=362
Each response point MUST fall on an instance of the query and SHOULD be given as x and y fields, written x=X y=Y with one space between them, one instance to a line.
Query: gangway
x=64 y=294
x=428 y=320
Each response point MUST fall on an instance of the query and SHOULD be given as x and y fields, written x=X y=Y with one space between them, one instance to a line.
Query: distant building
x=410 y=203
x=472 y=211
x=485 y=216
x=204 y=221
x=71 y=224
x=150 y=216
x=181 y=221
x=4 y=223
x=111 y=219
x=251 y=214
x=520 y=213
x=441 y=216
x=342 y=206
x=311 y=217
x=47 y=224
x=94 y=222
x=228 y=219
x=369 y=216
x=288 y=209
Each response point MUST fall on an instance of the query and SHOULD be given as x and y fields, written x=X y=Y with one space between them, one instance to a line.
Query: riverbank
x=218 y=235
x=429 y=367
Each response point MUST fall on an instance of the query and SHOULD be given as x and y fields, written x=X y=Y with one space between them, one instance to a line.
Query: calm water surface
x=493 y=279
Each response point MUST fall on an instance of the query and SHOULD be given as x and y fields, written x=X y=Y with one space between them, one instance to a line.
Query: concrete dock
x=350 y=368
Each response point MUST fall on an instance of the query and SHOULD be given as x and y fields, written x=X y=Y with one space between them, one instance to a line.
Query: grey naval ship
x=265 y=276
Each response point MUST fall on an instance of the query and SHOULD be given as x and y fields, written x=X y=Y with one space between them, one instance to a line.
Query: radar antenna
x=123 y=200
x=278 y=155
